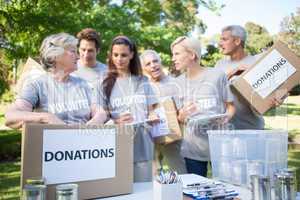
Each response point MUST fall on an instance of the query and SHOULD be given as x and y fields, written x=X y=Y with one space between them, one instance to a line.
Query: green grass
x=284 y=109
x=10 y=145
x=10 y=180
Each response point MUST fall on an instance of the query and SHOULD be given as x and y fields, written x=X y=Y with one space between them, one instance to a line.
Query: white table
x=144 y=191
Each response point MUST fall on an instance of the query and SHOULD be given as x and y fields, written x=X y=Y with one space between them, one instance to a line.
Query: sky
x=267 y=13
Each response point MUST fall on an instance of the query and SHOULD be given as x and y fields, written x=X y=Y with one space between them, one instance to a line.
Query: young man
x=163 y=86
x=89 y=68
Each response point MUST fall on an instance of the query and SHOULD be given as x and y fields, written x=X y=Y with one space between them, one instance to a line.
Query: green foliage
x=10 y=145
x=151 y=23
x=290 y=31
x=290 y=34
x=295 y=90
x=4 y=73
x=7 y=97
x=211 y=57
x=258 y=38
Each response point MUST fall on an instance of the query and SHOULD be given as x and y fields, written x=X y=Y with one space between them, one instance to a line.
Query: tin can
x=260 y=187
x=285 y=185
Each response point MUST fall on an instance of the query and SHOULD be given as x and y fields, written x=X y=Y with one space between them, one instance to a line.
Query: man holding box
x=164 y=86
x=232 y=44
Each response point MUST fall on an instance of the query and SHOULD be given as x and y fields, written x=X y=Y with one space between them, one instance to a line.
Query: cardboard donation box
x=99 y=159
x=31 y=70
x=168 y=130
x=273 y=75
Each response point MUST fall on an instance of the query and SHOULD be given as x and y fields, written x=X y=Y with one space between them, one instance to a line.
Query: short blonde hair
x=189 y=43
x=54 y=46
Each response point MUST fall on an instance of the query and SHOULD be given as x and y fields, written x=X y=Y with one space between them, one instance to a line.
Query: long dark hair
x=134 y=65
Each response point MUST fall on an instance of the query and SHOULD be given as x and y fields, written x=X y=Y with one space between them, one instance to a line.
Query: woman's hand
x=186 y=111
x=124 y=118
x=49 y=118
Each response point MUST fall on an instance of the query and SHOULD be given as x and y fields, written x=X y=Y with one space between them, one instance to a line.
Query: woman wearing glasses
x=127 y=97
x=58 y=97
x=203 y=91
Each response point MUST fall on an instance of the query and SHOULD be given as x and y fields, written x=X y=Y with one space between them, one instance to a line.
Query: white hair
x=147 y=53
x=54 y=46
x=237 y=31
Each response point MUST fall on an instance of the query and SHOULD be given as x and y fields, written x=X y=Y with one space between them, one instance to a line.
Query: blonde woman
x=202 y=91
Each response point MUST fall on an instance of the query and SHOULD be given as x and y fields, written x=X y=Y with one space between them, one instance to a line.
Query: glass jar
x=67 y=192
x=34 y=192
x=284 y=186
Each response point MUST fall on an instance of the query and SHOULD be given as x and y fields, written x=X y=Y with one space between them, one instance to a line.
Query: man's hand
x=276 y=101
x=237 y=71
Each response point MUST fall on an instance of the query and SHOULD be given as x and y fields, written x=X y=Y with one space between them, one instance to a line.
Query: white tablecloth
x=144 y=191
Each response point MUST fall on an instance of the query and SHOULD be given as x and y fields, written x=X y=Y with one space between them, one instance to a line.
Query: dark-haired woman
x=127 y=97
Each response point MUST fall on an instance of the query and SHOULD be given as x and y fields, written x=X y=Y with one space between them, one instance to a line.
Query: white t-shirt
x=209 y=91
x=91 y=75
x=131 y=94
x=70 y=101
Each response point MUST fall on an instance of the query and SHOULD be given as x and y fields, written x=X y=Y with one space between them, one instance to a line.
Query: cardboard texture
x=175 y=130
x=122 y=183
x=31 y=70
x=262 y=104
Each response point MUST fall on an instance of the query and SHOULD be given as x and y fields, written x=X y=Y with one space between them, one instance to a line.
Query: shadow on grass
x=283 y=110
x=10 y=145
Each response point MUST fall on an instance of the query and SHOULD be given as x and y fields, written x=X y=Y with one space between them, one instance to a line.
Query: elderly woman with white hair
x=57 y=97
x=203 y=91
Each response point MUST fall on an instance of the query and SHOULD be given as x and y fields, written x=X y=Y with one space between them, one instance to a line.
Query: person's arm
x=21 y=111
x=99 y=115
x=230 y=111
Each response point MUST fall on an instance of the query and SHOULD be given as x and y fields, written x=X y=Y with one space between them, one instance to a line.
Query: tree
x=150 y=23
x=290 y=34
x=290 y=31
x=258 y=38
x=212 y=53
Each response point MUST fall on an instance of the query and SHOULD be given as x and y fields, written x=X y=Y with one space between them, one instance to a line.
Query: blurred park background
x=151 y=24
